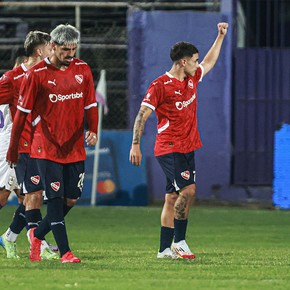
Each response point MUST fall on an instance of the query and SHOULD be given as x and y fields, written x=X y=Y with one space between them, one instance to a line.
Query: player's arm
x=17 y=128
x=92 y=117
x=6 y=91
x=213 y=53
x=141 y=118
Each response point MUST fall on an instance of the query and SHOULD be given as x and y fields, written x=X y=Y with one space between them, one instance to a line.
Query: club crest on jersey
x=185 y=175
x=35 y=179
x=190 y=84
x=79 y=78
x=55 y=185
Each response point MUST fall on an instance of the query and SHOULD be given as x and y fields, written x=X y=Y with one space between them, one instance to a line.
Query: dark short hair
x=34 y=39
x=182 y=49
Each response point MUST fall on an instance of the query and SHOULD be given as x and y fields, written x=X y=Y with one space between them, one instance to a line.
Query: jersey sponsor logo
x=61 y=98
x=35 y=179
x=19 y=76
x=52 y=82
x=79 y=78
x=178 y=93
x=190 y=84
x=185 y=174
x=55 y=185
x=184 y=104
x=168 y=82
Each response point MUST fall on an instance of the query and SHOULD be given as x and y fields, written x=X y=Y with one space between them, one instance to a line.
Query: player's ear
x=53 y=45
x=182 y=62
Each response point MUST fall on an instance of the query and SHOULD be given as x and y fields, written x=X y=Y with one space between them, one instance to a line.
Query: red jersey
x=175 y=105
x=57 y=100
x=10 y=84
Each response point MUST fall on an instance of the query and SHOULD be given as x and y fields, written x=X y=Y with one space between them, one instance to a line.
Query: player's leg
x=32 y=187
x=8 y=239
x=4 y=195
x=54 y=186
x=185 y=180
x=167 y=226
x=8 y=182
x=33 y=203
x=73 y=180
x=167 y=215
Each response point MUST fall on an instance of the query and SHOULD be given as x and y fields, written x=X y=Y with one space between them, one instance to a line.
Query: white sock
x=10 y=236
x=44 y=245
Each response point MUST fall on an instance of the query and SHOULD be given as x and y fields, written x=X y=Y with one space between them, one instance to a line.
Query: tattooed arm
x=135 y=152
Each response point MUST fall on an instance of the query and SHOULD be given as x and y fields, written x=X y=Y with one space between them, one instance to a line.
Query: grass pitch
x=237 y=248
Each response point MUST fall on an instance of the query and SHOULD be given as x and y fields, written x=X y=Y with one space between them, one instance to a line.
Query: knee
x=33 y=200
x=4 y=195
x=3 y=202
x=170 y=199
x=189 y=192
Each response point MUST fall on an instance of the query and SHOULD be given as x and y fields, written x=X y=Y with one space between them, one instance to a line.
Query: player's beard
x=67 y=61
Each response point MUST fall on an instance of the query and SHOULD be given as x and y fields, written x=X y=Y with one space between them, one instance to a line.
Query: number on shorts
x=81 y=181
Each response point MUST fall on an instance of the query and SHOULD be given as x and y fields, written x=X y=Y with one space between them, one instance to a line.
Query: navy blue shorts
x=27 y=174
x=179 y=169
x=62 y=180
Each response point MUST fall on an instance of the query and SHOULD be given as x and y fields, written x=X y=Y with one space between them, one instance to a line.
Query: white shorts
x=7 y=176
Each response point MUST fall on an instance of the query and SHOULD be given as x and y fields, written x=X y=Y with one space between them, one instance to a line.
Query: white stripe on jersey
x=91 y=105
x=148 y=105
x=163 y=128
x=23 y=110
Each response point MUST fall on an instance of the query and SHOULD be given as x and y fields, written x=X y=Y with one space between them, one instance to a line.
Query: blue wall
x=151 y=35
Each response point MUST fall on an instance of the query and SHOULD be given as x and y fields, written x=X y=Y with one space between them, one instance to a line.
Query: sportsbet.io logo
x=184 y=104
x=61 y=98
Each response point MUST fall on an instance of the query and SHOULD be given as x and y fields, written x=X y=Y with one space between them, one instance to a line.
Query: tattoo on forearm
x=138 y=127
x=180 y=207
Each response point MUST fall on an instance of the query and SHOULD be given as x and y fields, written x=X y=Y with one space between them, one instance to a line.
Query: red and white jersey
x=10 y=84
x=57 y=100
x=175 y=105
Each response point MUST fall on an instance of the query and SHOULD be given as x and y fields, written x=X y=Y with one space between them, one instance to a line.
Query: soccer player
x=37 y=46
x=8 y=181
x=173 y=97
x=57 y=92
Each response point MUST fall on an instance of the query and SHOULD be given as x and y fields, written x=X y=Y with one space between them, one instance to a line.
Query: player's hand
x=135 y=155
x=222 y=28
x=12 y=157
x=91 y=138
